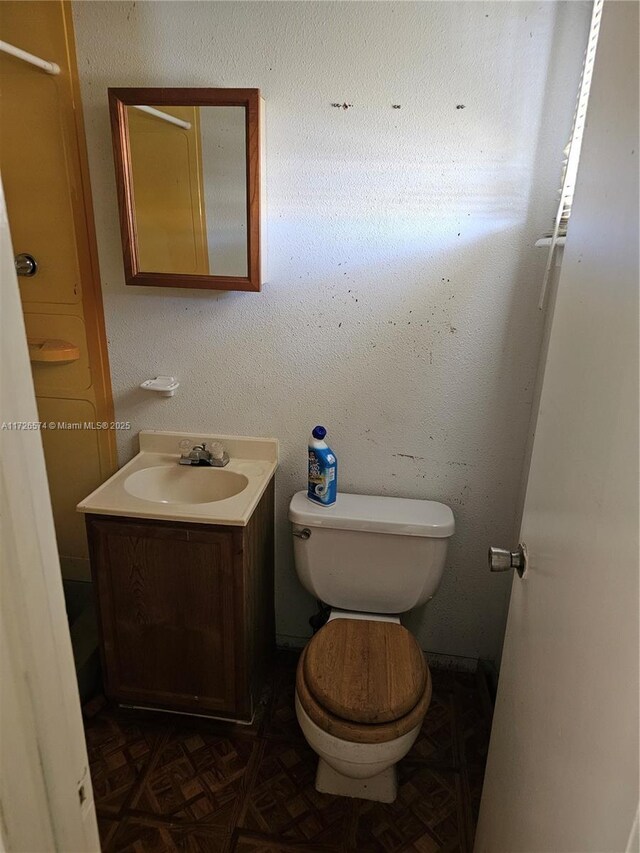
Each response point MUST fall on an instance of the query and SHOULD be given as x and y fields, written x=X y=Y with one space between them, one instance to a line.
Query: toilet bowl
x=362 y=684
x=362 y=691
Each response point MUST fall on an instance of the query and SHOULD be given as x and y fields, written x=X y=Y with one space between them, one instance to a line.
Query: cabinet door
x=166 y=602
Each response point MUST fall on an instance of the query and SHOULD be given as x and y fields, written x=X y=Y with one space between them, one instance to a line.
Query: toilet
x=362 y=684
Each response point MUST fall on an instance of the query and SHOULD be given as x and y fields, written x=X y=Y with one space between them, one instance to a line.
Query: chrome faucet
x=216 y=457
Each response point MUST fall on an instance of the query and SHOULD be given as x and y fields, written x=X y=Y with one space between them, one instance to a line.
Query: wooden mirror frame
x=119 y=100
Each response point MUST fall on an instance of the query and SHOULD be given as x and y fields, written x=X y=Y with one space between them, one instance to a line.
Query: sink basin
x=181 y=484
x=154 y=485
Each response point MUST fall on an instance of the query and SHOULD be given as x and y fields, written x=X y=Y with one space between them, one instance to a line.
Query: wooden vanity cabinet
x=186 y=610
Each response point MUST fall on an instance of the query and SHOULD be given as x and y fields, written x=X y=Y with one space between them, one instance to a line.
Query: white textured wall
x=400 y=309
x=224 y=174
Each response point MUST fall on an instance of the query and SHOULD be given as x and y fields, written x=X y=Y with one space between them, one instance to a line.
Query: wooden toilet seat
x=364 y=681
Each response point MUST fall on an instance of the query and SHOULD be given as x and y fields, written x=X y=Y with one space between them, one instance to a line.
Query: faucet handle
x=217 y=451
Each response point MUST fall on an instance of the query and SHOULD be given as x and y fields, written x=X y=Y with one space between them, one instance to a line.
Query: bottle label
x=322 y=477
x=314 y=468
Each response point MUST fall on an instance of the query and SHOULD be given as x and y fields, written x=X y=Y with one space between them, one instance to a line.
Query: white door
x=562 y=772
x=46 y=800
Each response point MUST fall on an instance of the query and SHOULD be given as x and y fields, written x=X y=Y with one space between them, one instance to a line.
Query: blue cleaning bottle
x=323 y=470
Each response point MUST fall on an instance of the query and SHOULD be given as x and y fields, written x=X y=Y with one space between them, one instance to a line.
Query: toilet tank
x=368 y=553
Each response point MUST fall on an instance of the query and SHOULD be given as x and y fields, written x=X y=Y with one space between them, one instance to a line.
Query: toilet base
x=382 y=788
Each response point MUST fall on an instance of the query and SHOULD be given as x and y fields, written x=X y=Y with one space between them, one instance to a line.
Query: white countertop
x=255 y=458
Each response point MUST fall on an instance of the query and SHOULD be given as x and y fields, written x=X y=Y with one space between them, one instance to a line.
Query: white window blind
x=572 y=151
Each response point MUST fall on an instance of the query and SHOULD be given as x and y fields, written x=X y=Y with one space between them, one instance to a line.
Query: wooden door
x=167 y=608
x=562 y=772
x=46 y=181
x=168 y=191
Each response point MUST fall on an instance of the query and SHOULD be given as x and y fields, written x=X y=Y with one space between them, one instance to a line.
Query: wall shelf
x=52 y=351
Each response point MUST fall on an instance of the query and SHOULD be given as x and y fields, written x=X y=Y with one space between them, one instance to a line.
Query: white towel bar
x=49 y=67
x=164 y=116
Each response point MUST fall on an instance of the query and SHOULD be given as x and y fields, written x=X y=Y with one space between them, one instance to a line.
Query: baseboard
x=458 y=663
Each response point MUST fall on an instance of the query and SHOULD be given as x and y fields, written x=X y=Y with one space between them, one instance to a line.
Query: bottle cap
x=319 y=432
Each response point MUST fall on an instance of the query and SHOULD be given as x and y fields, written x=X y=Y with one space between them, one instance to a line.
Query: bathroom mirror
x=188 y=170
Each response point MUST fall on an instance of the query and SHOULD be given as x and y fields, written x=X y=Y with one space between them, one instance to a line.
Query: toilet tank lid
x=377 y=514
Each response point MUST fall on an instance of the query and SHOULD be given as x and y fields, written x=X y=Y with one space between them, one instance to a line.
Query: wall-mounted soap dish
x=163 y=385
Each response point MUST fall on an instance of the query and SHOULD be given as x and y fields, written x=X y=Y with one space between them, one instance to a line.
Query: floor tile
x=283 y=801
x=196 y=776
x=425 y=817
x=280 y=719
x=107 y=828
x=473 y=726
x=140 y=835
x=255 y=843
x=119 y=747
x=435 y=743
x=167 y=783
x=473 y=777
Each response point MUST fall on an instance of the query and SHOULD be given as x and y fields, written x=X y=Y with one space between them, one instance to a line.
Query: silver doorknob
x=501 y=560
x=26 y=264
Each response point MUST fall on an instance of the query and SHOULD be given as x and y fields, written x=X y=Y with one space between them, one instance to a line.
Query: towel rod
x=164 y=116
x=49 y=67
